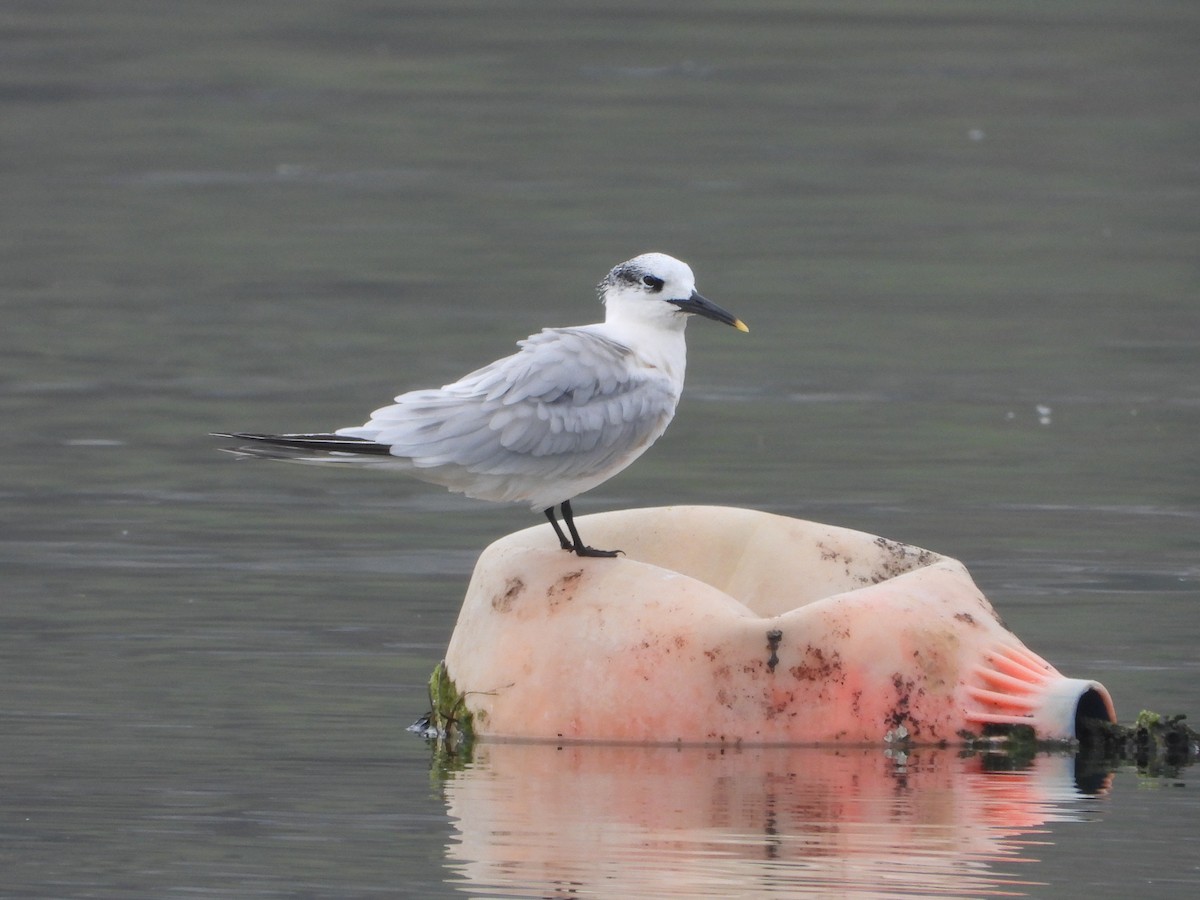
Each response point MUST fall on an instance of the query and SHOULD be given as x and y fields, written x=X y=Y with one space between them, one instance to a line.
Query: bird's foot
x=575 y=544
x=583 y=550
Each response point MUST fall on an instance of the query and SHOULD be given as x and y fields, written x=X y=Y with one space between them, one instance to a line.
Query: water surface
x=964 y=237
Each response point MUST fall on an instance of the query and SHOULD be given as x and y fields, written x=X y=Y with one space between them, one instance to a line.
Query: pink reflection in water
x=624 y=821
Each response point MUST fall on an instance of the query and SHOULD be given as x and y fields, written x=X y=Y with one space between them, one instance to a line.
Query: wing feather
x=570 y=405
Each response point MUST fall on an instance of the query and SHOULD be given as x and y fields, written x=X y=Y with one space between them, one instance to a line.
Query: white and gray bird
x=569 y=410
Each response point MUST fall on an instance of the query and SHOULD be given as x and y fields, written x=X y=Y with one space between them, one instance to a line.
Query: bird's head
x=660 y=290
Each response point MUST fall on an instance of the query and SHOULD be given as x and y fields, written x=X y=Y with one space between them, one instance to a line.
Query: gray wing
x=570 y=404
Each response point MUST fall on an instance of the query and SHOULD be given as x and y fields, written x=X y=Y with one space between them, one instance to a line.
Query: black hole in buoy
x=1091 y=706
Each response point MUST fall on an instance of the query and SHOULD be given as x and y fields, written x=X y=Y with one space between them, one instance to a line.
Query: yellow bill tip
x=740 y=325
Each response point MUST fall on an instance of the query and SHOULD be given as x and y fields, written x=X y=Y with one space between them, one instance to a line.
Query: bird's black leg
x=562 y=538
x=579 y=547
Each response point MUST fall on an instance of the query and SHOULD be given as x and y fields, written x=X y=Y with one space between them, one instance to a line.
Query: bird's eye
x=653 y=282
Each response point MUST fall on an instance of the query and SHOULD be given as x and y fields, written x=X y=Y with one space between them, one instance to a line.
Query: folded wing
x=571 y=406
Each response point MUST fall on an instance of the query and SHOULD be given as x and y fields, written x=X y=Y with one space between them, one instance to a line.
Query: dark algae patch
x=1157 y=745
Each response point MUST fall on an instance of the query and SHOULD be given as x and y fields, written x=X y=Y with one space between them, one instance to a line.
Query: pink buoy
x=731 y=625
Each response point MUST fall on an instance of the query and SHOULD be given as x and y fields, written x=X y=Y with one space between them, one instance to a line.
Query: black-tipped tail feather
x=333 y=443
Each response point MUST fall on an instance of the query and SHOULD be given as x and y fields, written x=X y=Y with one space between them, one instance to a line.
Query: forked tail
x=331 y=443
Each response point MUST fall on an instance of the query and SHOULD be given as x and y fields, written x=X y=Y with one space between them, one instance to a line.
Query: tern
x=569 y=410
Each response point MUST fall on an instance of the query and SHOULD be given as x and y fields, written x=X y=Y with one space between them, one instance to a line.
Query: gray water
x=964 y=236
